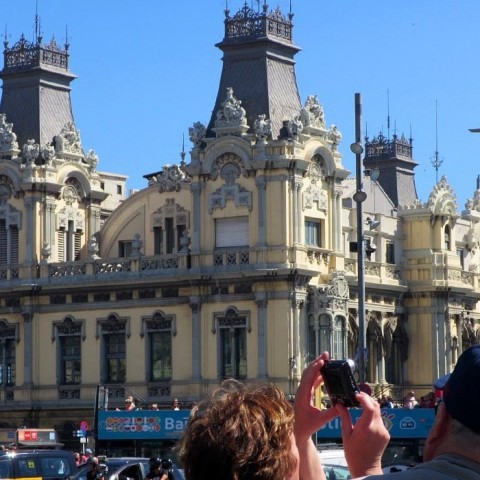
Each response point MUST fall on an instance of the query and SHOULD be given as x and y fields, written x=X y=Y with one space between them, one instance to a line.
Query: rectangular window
x=119 y=189
x=157 y=240
x=390 y=253
x=233 y=352
x=460 y=256
x=313 y=233
x=71 y=365
x=169 y=235
x=124 y=248
x=115 y=357
x=231 y=232
x=160 y=356
x=7 y=362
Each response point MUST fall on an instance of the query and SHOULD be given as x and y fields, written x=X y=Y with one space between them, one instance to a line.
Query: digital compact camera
x=340 y=382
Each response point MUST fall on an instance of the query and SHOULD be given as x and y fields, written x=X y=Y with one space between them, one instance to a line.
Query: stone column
x=196 y=306
x=337 y=219
x=297 y=211
x=30 y=230
x=261 y=301
x=297 y=304
x=196 y=189
x=27 y=314
x=49 y=226
x=262 y=211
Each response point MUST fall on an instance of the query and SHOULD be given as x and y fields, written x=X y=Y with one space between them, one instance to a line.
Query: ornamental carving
x=48 y=153
x=30 y=152
x=171 y=210
x=230 y=191
x=170 y=179
x=6 y=189
x=232 y=113
x=442 y=200
x=314 y=194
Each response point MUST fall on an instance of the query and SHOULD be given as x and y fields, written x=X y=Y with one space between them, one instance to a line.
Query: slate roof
x=261 y=70
x=36 y=93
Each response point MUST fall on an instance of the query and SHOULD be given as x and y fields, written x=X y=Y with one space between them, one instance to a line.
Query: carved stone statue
x=295 y=128
x=8 y=139
x=262 y=127
x=334 y=136
x=68 y=140
x=312 y=114
x=232 y=113
x=137 y=245
x=92 y=247
x=48 y=153
x=92 y=160
x=197 y=133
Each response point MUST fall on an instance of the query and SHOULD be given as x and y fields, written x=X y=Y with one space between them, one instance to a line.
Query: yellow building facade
x=240 y=262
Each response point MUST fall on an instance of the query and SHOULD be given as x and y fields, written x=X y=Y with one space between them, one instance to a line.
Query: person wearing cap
x=452 y=447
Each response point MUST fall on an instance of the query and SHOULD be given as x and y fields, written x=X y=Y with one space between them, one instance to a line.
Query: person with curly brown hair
x=251 y=431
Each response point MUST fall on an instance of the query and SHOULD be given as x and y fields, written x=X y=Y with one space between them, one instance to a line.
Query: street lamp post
x=359 y=197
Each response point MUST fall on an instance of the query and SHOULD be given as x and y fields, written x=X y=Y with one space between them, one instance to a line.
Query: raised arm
x=309 y=419
x=364 y=442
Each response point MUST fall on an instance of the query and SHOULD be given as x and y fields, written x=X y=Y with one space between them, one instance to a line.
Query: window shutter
x=61 y=246
x=3 y=243
x=78 y=245
x=231 y=232
x=13 y=245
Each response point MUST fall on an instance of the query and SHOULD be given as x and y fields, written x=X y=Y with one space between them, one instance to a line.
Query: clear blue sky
x=148 y=69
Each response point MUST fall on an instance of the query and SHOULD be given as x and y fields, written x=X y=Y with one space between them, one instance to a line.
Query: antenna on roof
x=388 y=114
x=436 y=161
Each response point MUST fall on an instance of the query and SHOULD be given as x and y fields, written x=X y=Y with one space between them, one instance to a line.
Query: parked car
x=44 y=464
x=125 y=468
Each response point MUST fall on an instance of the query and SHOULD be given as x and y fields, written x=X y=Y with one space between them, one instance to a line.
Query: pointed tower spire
x=258 y=65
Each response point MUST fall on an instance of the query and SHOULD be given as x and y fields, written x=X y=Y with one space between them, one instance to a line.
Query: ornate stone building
x=238 y=263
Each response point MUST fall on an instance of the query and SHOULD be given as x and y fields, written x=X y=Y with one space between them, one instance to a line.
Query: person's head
x=92 y=463
x=241 y=431
x=128 y=401
x=457 y=421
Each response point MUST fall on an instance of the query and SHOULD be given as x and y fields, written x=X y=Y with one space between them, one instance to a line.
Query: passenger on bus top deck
x=129 y=403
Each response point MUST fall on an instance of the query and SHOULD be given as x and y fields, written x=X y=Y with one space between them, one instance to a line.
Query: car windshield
x=336 y=472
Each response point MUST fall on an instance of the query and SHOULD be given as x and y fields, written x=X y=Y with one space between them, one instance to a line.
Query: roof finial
x=38 y=32
x=227 y=11
x=5 y=39
x=290 y=13
x=67 y=42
